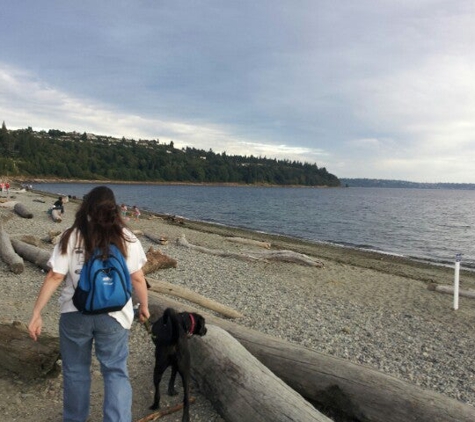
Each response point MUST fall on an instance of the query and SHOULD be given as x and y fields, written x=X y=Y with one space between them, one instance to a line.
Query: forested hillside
x=27 y=153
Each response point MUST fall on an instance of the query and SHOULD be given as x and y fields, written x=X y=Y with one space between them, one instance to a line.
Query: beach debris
x=32 y=253
x=283 y=255
x=7 y=203
x=163 y=287
x=21 y=355
x=229 y=372
x=175 y=219
x=349 y=390
x=31 y=240
x=167 y=411
x=156 y=260
x=56 y=215
x=9 y=256
x=161 y=240
x=54 y=236
x=252 y=242
x=21 y=210
x=440 y=288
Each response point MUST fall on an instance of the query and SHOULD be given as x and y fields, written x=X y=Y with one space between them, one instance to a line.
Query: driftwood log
x=450 y=290
x=159 y=286
x=240 y=387
x=157 y=260
x=161 y=240
x=164 y=412
x=32 y=254
x=21 y=355
x=21 y=210
x=252 y=242
x=9 y=256
x=353 y=391
x=283 y=255
x=31 y=240
x=56 y=215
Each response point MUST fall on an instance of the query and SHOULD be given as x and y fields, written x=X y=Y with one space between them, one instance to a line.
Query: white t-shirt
x=70 y=264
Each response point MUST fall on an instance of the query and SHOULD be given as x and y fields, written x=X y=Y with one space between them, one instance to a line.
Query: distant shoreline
x=41 y=180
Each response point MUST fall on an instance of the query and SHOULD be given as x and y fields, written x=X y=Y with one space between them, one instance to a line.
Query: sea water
x=426 y=224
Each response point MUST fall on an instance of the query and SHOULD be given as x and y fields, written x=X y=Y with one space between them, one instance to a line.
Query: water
x=424 y=224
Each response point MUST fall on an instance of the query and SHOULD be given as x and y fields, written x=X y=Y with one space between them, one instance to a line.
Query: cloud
x=29 y=101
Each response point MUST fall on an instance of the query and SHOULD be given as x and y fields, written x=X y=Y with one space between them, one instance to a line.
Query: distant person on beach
x=7 y=187
x=58 y=205
x=135 y=212
x=97 y=225
x=123 y=210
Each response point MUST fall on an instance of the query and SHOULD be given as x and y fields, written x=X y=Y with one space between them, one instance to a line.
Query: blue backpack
x=104 y=284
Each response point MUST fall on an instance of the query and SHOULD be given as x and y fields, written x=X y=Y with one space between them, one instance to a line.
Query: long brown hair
x=98 y=222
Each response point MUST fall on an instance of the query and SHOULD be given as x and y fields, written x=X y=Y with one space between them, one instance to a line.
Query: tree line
x=27 y=153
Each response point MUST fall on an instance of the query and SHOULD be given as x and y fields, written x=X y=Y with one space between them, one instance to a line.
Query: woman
x=97 y=225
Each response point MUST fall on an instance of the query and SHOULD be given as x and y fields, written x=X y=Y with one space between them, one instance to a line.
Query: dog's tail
x=170 y=317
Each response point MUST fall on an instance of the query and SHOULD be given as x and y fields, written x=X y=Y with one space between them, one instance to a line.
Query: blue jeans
x=77 y=333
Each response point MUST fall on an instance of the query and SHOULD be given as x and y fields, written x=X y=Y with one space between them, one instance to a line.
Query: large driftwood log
x=159 y=286
x=252 y=242
x=56 y=215
x=32 y=254
x=161 y=240
x=240 y=387
x=353 y=391
x=21 y=210
x=286 y=256
x=21 y=355
x=156 y=260
x=12 y=259
x=450 y=290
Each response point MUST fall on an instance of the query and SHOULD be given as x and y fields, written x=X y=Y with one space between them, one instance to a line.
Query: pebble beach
x=371 y=309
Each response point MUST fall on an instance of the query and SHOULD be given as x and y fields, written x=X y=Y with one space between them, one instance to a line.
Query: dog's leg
x=186 y=397
x=171 y=383
x=184 y=371
x=157 y=377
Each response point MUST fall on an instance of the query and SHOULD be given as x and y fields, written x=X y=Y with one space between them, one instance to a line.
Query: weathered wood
x=9 y=256
x=31 y=240
x=252 y=242
x=163 y=287
x=21 y=355
x=32 y=254
x=56 y=215
x=450 y=290
x=164 y=412
x=283 y=255
x=156 y=260
x=54 y=236
x=347 y=389
x=21 y=210
x=161 y=240
x=240 y=387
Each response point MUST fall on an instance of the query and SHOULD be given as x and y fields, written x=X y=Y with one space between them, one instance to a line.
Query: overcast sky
x=376 y=89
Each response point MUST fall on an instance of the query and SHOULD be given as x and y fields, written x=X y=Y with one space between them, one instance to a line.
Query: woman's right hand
x=35 y=326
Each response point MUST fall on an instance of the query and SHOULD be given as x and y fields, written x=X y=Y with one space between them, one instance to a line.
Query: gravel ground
x=369 y=309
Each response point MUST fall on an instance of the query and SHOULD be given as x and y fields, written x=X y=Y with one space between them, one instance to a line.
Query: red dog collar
x=193 y=323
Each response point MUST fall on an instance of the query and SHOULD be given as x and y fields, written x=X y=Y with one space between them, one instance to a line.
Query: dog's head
x=198 y=326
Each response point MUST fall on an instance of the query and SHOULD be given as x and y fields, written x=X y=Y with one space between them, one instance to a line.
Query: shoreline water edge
x=370 y=308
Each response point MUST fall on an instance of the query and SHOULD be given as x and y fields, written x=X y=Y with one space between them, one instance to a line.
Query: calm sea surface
x=425 y=224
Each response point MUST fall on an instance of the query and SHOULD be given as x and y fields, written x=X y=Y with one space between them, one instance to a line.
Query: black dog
x=170 y=334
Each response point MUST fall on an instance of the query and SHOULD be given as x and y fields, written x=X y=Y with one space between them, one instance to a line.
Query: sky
x=367 y=89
